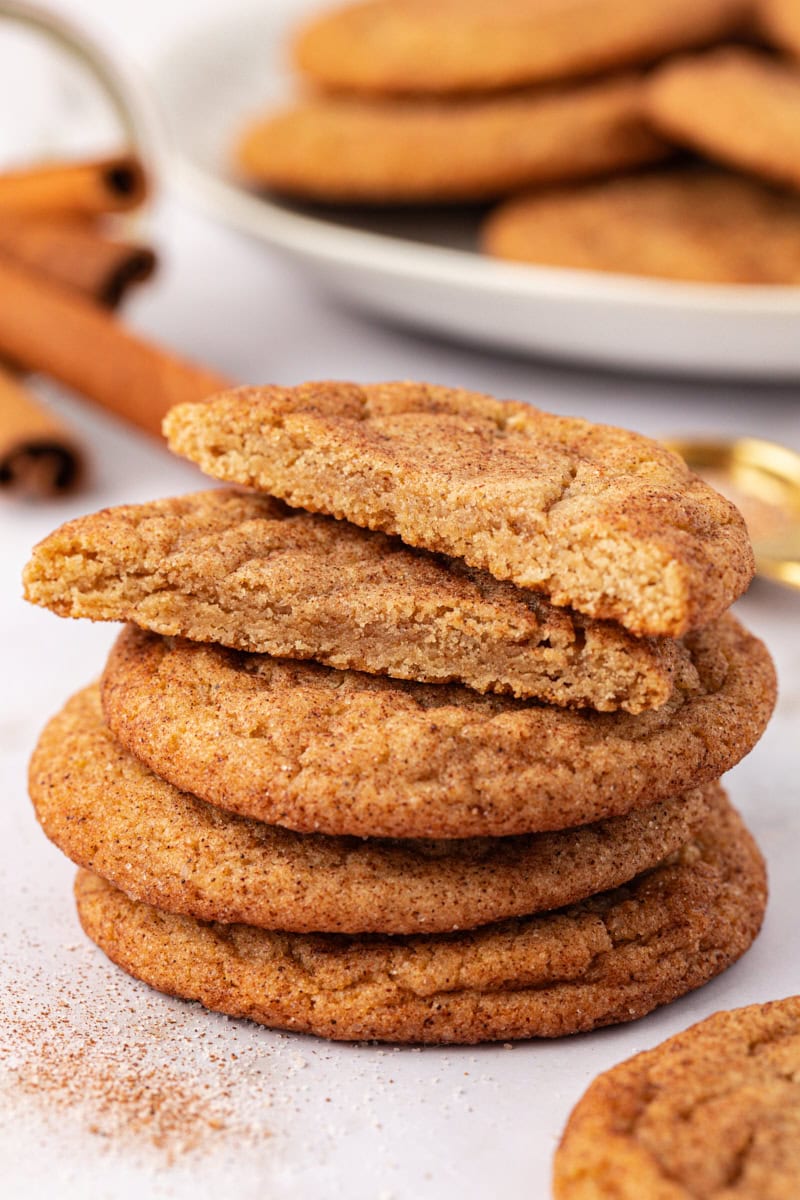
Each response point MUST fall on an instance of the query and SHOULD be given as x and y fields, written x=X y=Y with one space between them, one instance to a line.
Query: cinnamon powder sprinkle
x=127 y=1069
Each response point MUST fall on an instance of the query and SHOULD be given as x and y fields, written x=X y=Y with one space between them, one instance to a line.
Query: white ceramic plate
x=424 y=271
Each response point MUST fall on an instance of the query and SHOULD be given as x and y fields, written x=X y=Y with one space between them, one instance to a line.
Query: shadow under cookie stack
x=431 y=755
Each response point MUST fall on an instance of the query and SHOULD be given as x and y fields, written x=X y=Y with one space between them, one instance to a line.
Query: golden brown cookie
x=712 y=1114
x=600 y=519
x=699 y=225
x=339 y=752
x=780 y=21
x=109 y=813
x=247 y=572
x=443 y=47
x=735 y=106
x=341 y=150
x=610 y=959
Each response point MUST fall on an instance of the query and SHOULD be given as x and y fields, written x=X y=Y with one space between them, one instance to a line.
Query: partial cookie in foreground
x=699 y=225
x=341 y=150
x=247 y=572
x=108 y=812
x=301 y=745
x=711 y=1113
x=611 y=959
x=734 y=106
x=600 y=519
x=453 y=46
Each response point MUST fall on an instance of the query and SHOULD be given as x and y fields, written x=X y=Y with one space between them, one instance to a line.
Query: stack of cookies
x=420 y=738
x=560 y=105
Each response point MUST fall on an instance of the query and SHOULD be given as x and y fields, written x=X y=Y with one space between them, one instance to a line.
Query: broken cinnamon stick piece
x=38 y=456
x=47 y=328
x=88 y=188
x=73 y=252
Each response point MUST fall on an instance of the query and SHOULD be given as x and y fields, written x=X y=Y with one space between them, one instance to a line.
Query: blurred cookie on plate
x=735 y=106
x=780 y=21
x=690 y=224
x=341 y=150
x=445 y=47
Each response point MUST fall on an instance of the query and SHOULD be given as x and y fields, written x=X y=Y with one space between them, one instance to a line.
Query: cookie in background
x=418 y=103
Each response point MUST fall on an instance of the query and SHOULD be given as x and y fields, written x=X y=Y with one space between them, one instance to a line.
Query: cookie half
x=600 y=519
x=735 y=106
x=713 y=1112
x=453 y=46
x=109 y=813
x=247 y=572
x=611 y=959
x=340 y=150
x=301 y=745
x=703 y=226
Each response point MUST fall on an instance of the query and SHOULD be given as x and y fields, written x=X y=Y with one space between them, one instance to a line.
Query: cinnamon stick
x=89 y=188
x=38 y=457
x=47 y=328
x=73 y=252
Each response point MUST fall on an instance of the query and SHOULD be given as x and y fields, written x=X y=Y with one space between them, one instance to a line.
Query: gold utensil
x=763 y=480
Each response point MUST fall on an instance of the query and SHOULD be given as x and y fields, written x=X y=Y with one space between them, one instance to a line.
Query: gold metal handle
x=763 y=479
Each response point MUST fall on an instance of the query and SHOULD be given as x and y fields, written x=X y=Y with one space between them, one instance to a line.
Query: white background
x=342 y=1121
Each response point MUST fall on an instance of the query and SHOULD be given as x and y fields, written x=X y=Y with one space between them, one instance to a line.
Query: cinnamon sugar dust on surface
x=127 y=1068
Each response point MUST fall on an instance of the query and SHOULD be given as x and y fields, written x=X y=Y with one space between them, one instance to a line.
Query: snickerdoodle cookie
x=600 y=519
x=712 y=1114
x=610 y=959
x=340 y=752
x=342 y=150
x=700 y=225
x=109 y=813
x=247 y=572
x=735 y=106
x=449 y=46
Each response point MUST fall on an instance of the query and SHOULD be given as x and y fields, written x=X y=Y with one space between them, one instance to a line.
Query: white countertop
x=342 y=1121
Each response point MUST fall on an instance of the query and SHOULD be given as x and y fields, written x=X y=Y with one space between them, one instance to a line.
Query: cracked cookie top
x=602 y=520
x=711 y=1114
x=107 y=811
x=301 y=745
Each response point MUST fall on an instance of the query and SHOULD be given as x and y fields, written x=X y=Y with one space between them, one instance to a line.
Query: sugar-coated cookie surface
x=342 y=150
x=603 y=520
x=301 y=745
x=247 y=572
x=735 y=106
x=451 y=46
x=109 y=813
x=611 y=959
x=677 y=224
x=711 y=1114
